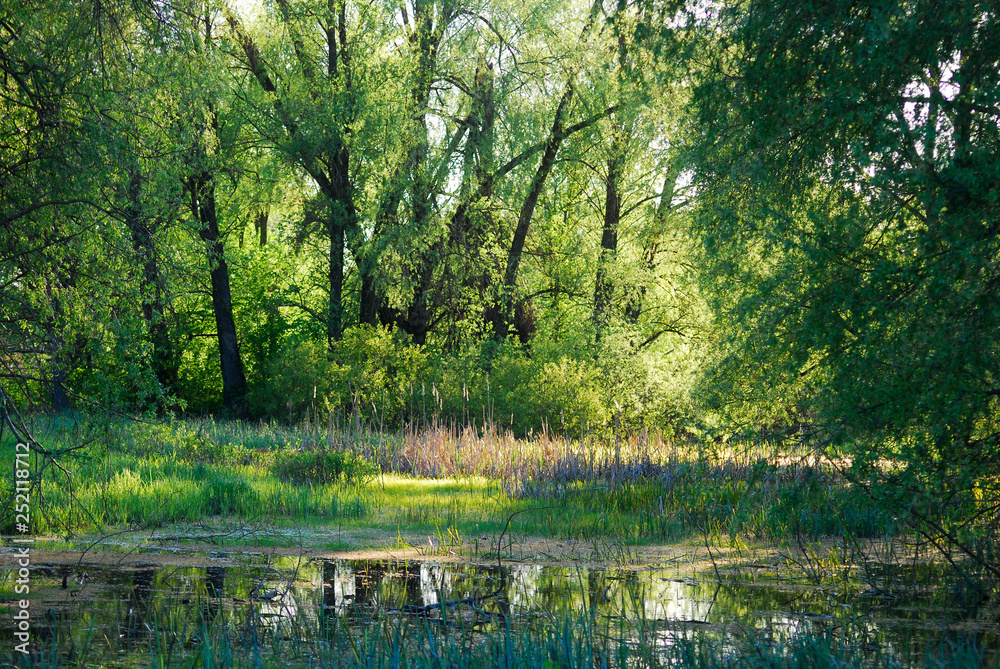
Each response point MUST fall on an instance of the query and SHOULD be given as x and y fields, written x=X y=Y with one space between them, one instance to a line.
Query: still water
x=124 y=607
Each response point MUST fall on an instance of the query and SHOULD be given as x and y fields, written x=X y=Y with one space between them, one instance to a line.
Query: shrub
x=299 y=377
x=562 y=394
x=324 y=466
x=380 y=368
x=520 y=393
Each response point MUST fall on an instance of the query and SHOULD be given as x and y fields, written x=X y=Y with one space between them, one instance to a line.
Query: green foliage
x=324 y=466
x=380 y=369
x=264 y=281
x=412 y=195
x=515 y=391
x=162 y=473
x=371 y=183
x=299 y=377
x=369 y=371
x=649 y=387
x=563 y=394
x=848 y=164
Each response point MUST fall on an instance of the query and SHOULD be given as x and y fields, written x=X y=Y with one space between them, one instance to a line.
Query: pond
x=166 y=602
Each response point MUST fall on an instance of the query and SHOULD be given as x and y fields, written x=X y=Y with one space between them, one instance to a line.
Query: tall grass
x=647 y=486
x=635 y=486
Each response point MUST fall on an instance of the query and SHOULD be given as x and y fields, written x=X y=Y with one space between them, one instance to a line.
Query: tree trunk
x=410 y=177
x=334 y=324
x=342 y=223
x=502 y=311
x=164 y=361
x=260 y=224
x=233 y=379
x=604 y=287
x=370 y=299
x=604 y=284
x=60 y=399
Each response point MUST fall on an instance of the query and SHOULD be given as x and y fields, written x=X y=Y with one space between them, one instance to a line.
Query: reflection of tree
x=329 y=586
x=434 y=579
x=367 y=581
x=215 y=579
x=492 y=581
x=597 y=589
x=138 y=600
x=412 y=591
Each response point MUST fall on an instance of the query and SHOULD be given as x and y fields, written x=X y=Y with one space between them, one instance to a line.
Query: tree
x=848 y=162
x=54 y=287
x=311 y=120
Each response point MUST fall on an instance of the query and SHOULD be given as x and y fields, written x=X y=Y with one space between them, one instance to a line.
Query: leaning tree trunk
x=502 y=311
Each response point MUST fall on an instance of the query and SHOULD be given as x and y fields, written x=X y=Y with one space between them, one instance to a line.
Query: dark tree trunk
x=59 y=353
x=234 y=382
x=334 y=324
x=470 y=230
x=343 y=222
x=413 y=178
x=165 y=362
x=501 y=312
x=344 y=227
x=368 y=309
x=604 y=287
x=417 y=322
x=60 y=399
x=260 y=224
x=604 y=283
x=329 y=164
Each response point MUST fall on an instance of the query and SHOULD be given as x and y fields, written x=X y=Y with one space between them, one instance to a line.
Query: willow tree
x=309 y=111
x=393 y=112
x=56 y=244
x=849 y=173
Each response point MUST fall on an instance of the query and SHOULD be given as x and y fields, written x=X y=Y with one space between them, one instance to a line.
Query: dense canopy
x=746 y=219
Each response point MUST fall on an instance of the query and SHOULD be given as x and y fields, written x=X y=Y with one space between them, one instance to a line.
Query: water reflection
x=265 y=593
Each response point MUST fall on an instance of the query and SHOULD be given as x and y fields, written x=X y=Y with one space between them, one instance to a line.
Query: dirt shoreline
x=123 y=553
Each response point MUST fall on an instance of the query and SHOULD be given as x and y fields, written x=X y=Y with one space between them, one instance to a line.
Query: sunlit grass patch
x=637 y=488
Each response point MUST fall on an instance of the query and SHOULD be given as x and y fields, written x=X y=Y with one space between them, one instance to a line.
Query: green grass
x=639 y=490
x=446 y=490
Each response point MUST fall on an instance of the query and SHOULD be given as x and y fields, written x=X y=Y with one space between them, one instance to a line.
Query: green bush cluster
x=380 y=378
x=368 y=372
x=515 y=391
x=298 y=377
x=324 y=466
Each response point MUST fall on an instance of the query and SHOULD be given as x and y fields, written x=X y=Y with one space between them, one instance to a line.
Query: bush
x=381 y=368
x=519 y=393
x=369 y=371
x=648 y=387
x=324 y=466
x=301 y=376
x=560 y=394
